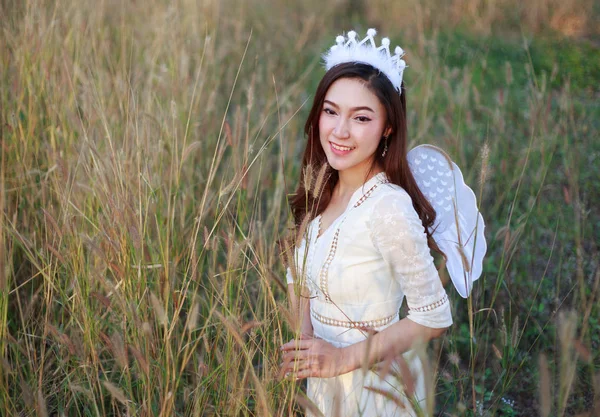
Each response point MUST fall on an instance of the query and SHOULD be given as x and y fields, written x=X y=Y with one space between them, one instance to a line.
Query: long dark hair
x=306 y=203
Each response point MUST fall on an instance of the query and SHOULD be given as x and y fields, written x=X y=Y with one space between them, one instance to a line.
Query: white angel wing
x=459 y=226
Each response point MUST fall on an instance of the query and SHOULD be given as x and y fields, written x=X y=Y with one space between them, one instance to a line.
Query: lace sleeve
x=399 y=235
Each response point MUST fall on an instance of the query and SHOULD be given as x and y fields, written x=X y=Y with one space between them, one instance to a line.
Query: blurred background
x=148 y=149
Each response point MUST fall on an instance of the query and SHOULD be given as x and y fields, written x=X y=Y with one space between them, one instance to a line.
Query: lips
x=340 y=150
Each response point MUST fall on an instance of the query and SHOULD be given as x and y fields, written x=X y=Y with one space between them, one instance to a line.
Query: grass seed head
x=159 y=311
x=115 y=391
x=454 y=359
x=308 y=178
x=192 y=323
x=320 y=180
x=485 y=159
x=119 y=351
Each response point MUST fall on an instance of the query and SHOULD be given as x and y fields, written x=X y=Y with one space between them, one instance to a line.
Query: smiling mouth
x=340 y=148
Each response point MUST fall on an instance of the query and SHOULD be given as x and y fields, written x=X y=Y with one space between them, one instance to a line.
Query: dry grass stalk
x=55 y=228
x=567 y=327
x=301 y=232
x=246 y=327
x=465 y=261
x=61 y=338
x=141 y=360
x=597 y=393
x=288 y=255
x=308 y=405
x=389 y=395
x=545 y=384
x=104 y=164
x=263 y=403
x=42 y=410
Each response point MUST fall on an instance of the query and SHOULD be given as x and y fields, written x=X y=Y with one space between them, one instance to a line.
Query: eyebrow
x=331 y=103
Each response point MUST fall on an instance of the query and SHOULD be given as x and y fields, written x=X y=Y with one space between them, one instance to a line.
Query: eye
x=363 y=119
x=327 y=110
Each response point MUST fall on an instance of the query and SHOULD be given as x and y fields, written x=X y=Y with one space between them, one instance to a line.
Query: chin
x=337 y=165
x=340 y=164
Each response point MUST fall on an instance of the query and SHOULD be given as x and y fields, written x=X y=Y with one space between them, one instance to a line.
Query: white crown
x=366 y=52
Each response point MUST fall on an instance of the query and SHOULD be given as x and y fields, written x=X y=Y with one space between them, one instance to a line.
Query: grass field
x=148 y=150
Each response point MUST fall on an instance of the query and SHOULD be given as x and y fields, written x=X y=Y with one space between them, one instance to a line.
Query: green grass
x=148 y=151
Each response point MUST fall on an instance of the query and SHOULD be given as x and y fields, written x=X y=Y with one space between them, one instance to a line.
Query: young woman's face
x=351 y=125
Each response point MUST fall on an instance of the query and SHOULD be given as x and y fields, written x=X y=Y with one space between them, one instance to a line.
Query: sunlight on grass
x=148 y=151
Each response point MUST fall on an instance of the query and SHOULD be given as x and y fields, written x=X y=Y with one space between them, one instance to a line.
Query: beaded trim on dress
x=353 y=324
x=432 y=306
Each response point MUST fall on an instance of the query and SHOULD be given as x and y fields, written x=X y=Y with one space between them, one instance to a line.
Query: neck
x=350 y=180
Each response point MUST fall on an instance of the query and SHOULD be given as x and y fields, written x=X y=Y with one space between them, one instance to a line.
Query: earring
x=385 y=148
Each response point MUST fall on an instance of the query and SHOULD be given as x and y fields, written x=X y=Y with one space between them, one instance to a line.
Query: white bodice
x=361 y=268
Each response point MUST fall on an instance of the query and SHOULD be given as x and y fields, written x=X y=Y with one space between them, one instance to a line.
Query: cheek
x=324 y=130
x=323 y=125
x=371 y=138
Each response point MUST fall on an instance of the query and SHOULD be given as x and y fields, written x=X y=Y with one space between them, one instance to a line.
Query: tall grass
x=148 y=149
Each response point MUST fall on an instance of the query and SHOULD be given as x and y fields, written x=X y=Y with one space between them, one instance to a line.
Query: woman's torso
x=351 y=284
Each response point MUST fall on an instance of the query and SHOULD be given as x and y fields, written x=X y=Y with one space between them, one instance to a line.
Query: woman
x=367 y=245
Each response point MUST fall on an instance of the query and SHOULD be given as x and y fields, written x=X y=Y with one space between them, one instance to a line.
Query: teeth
x=341 y=148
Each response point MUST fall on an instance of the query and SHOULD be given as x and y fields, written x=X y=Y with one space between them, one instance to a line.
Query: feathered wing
x=459 y=226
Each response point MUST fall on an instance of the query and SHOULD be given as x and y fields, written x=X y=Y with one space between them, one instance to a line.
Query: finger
x=298 y=366
x=294 y=366
x=304 y=373
x=293 y=371
x=286 y=368
x=297 y=344
x=291 y=360
x=290 y=369
x=294 y=355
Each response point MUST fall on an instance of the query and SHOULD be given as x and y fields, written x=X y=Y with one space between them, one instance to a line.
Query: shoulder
x=392 y=195
x=393 y=206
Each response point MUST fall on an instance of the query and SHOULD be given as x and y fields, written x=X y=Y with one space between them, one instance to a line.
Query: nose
x=341 y=129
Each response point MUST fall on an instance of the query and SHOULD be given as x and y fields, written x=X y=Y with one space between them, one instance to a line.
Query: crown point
x=351 y=34
x=385 y=41
x=371 y=32
x=339 y=40
x=398 y=51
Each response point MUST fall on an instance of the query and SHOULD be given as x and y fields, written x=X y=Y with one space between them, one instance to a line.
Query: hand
x=304 y=358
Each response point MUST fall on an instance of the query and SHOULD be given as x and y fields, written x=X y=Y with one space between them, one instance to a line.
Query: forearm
x=300 y=307
x=306 y=328
x=394 y=340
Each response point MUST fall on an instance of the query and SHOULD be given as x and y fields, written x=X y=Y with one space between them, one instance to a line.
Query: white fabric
x=381 y=257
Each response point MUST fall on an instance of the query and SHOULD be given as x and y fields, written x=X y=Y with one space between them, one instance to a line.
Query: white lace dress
x=358 y=272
